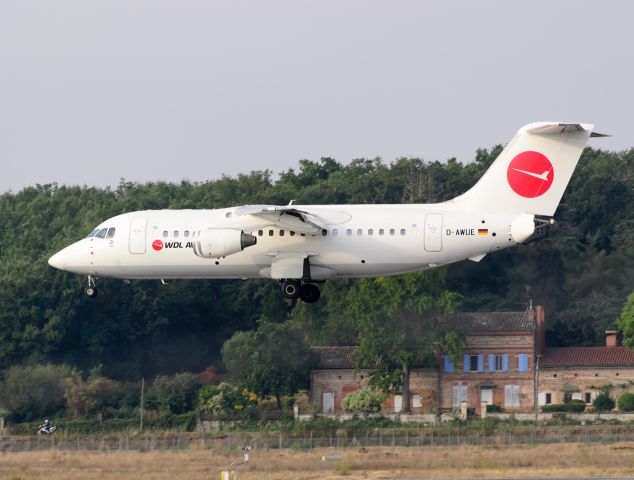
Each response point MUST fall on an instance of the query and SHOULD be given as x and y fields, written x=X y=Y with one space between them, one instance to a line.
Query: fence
x=419 y=438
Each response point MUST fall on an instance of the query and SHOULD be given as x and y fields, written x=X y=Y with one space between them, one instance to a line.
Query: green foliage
x=603 y=402
x=625 y=402
x=226 y=401
x=574 y=406
x=273 y=360
x=366 y=400
x=31 y=392
x=494 y=409
x=173 y=393
x=343 y=469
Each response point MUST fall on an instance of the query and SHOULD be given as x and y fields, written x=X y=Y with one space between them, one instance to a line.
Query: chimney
x=610 y=338
x=540 y=330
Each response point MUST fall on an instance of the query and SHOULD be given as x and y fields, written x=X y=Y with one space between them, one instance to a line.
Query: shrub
x=603 y=402
x=32 y=392
x=226 y=401
x=626 y=402
x=98 y=394
x=366 y=400
x=494 y=409
x=574 y=406
x=173 y=393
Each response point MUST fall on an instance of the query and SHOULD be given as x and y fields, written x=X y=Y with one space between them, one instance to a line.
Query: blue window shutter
x=448 y=364
x=466 y=363
x=523 y=362
x=491 y=362
x=505 y=362
x=480 y=362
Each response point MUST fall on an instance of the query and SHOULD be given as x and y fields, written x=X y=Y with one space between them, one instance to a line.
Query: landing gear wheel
x=291 y=289
x=309 y=293
x=91 y=292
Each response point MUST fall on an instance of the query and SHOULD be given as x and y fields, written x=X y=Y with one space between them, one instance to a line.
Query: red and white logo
x=530 y=174
x=157 y=245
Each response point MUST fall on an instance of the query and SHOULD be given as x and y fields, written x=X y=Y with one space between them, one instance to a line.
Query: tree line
x=582 y=272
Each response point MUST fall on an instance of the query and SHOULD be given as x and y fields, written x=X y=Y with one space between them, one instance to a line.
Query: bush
x=97 y=395
x=574 y=406
x=494 y=409
x=33 y=392
x=226 y=401
x=366 y=400
x=173 y=394
x=603 y=402
x=626 y=402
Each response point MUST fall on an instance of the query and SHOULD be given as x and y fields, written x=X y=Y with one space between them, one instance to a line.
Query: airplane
x=301 y=246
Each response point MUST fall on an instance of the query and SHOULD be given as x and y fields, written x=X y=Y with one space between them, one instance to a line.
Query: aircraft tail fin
x=533 y=170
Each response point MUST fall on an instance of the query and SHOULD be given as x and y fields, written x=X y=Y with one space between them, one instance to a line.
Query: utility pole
x=142 y=392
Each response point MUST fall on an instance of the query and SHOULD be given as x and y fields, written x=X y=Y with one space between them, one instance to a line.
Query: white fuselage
x=358 y=241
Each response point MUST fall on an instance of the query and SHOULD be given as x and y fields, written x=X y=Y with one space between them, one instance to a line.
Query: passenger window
x=292 y=233
x=270 y=233
x=392 y=231
x=111 y=232
x=93 y=233
x=349 y=232
x=186 y=233
x=359 y=231
x=102 y=233
x=260 y=233
x=164 y=233
x=370 y=232
x=402 y=231
x=324 y=233
x=228 y=215
x=381 y=231
x=175 y=233
x=335 y=232
x=281 y=233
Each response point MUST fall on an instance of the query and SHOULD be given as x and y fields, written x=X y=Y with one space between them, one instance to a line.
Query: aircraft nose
x=57 y=260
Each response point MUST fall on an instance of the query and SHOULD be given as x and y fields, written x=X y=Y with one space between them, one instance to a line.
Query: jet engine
x=220 y=242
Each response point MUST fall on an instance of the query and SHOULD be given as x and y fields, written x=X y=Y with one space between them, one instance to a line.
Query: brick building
x=580 y=373
x=503 y=360
x=496 y=366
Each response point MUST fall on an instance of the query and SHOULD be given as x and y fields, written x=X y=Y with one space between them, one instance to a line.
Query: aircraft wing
x=287 y=217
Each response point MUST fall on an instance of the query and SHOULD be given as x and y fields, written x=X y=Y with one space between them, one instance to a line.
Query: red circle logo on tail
x=157 y=245
x=530 y=174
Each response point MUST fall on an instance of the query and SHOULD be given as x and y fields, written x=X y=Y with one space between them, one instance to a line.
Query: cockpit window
x=93 y=233
x=111 y=232
x=101 y=233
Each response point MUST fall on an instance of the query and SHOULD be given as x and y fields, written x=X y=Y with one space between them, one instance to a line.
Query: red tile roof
x=587 y=357
x=486 y=322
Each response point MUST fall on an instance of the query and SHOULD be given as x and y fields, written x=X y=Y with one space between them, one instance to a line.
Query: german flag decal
x=483 y=231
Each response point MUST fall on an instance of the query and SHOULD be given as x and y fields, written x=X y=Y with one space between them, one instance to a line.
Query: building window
x=474 y=363
x=459 y=395
x=448 y=364
x=588 y=398
x=417 y=401
x=498 y=363
x=511 y=396
x=567 y=397
x=522 y=360
x=549 y=398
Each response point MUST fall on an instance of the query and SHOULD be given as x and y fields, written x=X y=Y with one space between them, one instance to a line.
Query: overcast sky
x=92 y=91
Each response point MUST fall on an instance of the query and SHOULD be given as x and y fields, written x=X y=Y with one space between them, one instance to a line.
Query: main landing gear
x=91 y=289
x=308 y=292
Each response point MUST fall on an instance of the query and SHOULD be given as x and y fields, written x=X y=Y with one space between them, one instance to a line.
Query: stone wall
x=582 y=382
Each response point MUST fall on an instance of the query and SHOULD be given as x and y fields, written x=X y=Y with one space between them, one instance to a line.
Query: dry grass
x=372 y=463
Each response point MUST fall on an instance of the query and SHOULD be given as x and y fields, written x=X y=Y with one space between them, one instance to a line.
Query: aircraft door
x=138 y=226
x=433 y=232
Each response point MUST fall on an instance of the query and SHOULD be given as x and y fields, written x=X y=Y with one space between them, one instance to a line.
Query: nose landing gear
x=308 y=292
x=91 y=289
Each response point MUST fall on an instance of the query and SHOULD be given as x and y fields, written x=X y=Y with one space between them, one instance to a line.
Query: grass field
x=559 y=460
